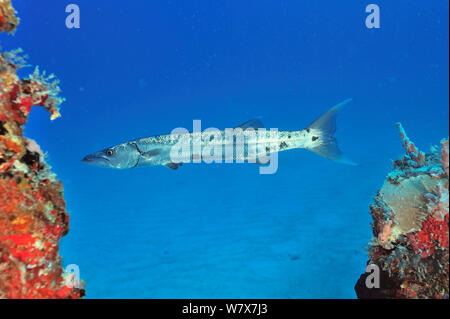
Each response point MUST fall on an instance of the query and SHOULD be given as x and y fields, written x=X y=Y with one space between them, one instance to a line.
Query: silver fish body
x=247 y=143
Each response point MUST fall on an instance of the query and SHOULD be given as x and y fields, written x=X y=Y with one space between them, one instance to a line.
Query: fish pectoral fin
x=255 y=123
x=263 y=158
x=173 y=165
x=151 y=153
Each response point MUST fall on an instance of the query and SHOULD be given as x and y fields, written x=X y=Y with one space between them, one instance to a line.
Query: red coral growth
x=35 y=90
x=433 y=232
x=33 y=217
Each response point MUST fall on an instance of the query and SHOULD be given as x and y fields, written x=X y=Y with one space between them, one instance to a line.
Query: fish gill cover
x=33 y=217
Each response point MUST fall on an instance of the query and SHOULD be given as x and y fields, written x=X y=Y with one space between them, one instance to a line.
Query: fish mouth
x=95 y=159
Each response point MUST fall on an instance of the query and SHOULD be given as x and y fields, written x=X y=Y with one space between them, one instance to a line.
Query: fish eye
x=109 y=152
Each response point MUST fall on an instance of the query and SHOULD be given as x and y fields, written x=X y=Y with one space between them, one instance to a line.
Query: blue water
x=141 y=68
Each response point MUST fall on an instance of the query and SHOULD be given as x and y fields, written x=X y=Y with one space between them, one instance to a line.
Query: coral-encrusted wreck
x=410 y=227
x=33 y=217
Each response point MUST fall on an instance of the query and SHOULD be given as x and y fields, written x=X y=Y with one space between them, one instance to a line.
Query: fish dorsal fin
x=255 y=124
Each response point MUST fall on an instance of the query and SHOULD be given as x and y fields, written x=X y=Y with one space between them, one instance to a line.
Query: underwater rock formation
x=33 y=217
x=410 y=227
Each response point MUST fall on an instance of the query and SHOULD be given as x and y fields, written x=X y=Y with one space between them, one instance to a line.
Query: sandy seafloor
x=224 y=231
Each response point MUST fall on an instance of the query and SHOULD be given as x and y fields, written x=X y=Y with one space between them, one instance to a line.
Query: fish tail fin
x=324 y=127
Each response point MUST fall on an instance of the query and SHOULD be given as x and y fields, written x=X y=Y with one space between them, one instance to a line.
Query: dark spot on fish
x=289 y=136
x=314 y=138
x=267 y=149
x=308 y=130
x=283 y=145
x=211 y=138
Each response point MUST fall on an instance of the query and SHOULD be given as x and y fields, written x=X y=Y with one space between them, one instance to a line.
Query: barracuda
x=249 y=142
